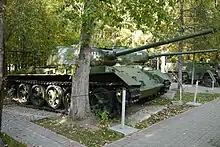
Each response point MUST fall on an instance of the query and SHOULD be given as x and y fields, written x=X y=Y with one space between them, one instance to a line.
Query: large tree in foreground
x=148 y=16
x=79 y=107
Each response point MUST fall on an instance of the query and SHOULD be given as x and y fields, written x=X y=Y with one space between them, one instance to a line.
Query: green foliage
x=103 y=117
x=31 y=28
x=42 y=25
x=32 y=25
x=199 y=15
x=117 y=16
x=122 y=19
x=10 y=141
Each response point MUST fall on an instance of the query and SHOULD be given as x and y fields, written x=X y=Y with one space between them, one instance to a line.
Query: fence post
x=194 y=103
x=123 y=107
x=195 y=95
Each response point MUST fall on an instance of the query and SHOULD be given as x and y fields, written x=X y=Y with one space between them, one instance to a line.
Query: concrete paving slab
x=18 y=127
x=170 y=94
x=137 y=117
x=142 y=114
x=155 y=109
x=126 y=130
x=193 y=104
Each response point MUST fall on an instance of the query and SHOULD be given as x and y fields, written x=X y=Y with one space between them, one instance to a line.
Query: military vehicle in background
x=139 y=59
x=203 y=72
x=106 y=80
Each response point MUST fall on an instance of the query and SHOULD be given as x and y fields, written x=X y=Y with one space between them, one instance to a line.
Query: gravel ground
x=27 y=114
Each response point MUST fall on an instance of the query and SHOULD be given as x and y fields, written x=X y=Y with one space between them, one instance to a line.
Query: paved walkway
x=16 y=124
x=199 y=127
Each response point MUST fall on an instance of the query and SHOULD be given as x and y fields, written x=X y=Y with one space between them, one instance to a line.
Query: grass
x=186 y=97
x=162 y=115
x=201 y=97
x=88 y=137
x=173 y=110
x=10 y=141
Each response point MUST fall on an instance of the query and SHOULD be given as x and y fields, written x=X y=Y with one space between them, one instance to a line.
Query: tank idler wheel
x=67 y=99
x=207 y=82
x=38 y=95
x=54 y=96
x=100 y=99
x=162 y=92
x=11 y=92
x=23 y=93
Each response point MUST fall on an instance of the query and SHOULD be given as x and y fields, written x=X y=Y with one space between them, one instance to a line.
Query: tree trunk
x=79 y=107
x=1 y=63
x=180 y=44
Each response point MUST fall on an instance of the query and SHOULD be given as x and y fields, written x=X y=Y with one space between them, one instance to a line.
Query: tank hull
x=162 y=78
x=201 y=73
x=105 y=80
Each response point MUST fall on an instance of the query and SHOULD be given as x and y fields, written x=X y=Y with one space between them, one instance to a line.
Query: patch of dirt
x=89 y=123
x=95 y=137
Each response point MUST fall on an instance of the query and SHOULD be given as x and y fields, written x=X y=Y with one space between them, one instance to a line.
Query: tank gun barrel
x=182 y=53
x=148 y=57
x=156 y=44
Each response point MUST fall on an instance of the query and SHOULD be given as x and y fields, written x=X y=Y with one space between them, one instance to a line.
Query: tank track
x=133 y=93
x=35 y=82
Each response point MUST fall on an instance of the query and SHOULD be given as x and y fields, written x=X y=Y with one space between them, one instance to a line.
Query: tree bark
x=180 y=47
x=1 y=63
x=79 y=107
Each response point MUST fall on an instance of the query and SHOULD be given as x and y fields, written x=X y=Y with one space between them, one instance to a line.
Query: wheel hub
x=23 y=93
x=54 y=96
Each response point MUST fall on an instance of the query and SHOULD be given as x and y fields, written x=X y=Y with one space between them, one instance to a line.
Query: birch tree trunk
x=1 y=63
x=79 y=107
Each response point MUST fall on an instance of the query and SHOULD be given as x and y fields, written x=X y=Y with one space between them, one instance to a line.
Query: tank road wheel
x=37 y=95
x=185 y=77
x=100 y=99
x=23 y=93
x=67 y=99
x=207 y=81
x=54 y=96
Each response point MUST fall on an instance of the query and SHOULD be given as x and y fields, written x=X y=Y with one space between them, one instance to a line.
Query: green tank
x=53 y=87
x=202 y=72
x=139 y=60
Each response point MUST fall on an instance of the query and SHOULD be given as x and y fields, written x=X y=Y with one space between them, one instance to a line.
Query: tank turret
x=109 y=57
